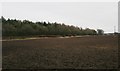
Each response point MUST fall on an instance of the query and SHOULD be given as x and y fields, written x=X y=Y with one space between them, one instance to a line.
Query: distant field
x=89 y=52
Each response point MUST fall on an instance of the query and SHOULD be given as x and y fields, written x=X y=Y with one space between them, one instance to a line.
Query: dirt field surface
x=89 y=52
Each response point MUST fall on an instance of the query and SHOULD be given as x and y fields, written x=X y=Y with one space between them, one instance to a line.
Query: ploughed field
x=87 y=52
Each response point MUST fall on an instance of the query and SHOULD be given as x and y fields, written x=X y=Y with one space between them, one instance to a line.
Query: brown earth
x=88 y=52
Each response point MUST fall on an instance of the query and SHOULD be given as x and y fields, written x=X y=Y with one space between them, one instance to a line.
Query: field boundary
x=31 y=38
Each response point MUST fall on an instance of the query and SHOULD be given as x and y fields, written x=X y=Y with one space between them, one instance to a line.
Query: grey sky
x=95 y=15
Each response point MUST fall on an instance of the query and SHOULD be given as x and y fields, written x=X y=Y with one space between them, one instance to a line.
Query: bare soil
x=88 y=52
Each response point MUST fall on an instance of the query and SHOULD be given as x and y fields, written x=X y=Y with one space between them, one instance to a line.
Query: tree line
x=13 y=27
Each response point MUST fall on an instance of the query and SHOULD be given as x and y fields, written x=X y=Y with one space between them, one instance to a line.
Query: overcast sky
x=94 y=15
